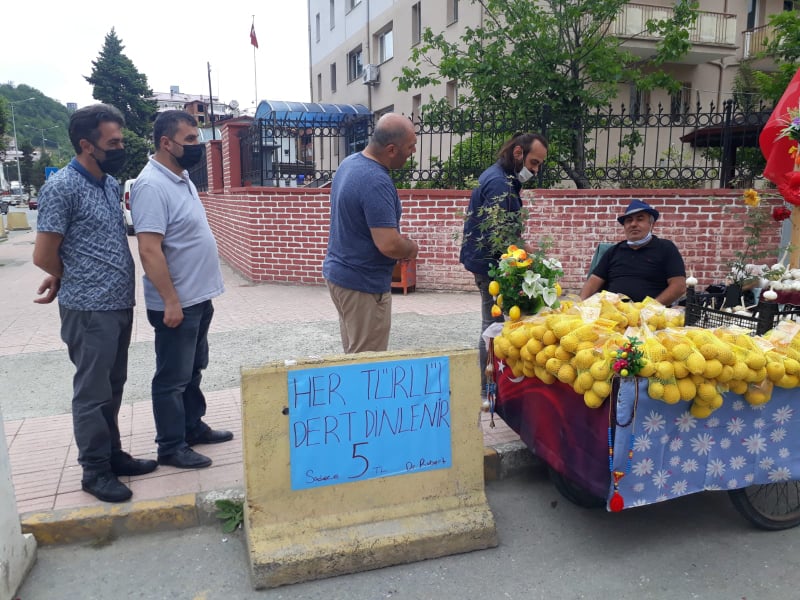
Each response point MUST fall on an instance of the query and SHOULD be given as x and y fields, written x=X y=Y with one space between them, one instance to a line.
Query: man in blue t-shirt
x=642 y=265
x=364 y=241
x=81 y=244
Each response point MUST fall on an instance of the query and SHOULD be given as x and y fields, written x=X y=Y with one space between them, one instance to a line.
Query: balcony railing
x=754 y=40
x=711 y=27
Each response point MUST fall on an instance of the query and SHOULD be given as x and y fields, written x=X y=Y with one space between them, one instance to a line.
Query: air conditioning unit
x=371 y=75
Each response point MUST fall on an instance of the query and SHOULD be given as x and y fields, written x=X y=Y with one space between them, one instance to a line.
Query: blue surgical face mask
x=642 y=241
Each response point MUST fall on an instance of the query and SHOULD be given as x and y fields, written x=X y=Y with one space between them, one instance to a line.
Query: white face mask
x=642 y=241
x=524 y=174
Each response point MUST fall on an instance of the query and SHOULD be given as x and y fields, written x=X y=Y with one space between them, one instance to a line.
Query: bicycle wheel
x=772 y=506
x=573 y=492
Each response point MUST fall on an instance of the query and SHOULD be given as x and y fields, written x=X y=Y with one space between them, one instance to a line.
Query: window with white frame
x=333 y=13
x=351 y=4
x=385 y=44
x=452 y=11
x=333 y=77
x=355 y=64
x=452 y=93
x=416 y=107
x=640 y=102
x=319 y=87
x=416 y=23
x=679 y=102
x=316 y=21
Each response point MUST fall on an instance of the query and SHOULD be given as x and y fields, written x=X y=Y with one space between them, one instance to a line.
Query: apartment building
x=358 y=48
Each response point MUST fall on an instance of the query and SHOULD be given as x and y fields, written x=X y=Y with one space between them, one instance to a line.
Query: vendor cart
x=661 y=450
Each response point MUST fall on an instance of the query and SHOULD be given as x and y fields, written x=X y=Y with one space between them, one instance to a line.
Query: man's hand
x=50 y=285
x=173 y=315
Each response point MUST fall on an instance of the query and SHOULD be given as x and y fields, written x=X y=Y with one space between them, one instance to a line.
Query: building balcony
x=754 y=42
x=713 y=37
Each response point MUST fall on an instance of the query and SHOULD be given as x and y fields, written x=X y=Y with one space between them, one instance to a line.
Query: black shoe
x=123 y=463
x=105 y=486
x=185 y=458
x=210 y=436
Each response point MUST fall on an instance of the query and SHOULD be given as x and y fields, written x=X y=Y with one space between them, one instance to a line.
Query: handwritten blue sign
x=361 y=421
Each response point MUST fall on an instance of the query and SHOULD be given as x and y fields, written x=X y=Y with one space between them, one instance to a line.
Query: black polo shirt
x=640 y=273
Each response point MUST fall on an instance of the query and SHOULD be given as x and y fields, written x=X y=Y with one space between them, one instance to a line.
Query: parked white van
x=125 y=202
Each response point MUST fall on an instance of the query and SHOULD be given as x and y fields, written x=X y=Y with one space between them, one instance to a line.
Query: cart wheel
x=573 y=492
x=772 y=506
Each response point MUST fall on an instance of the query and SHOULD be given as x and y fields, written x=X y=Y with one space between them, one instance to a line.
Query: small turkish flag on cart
x=253 y=39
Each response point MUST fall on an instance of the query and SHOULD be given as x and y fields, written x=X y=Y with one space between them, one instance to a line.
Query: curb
x=103 y=524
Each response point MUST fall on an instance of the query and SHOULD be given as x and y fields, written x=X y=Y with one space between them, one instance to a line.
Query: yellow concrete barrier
x=3 y=234
x=324 y=521
x=17 y=221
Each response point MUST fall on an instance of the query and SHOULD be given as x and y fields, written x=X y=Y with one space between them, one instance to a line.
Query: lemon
x=756 y=397
x=740 y=370
x=696 y=363
x=570 y=342
x=501 y=345
x=713 y=368
x=655 y=390
x=791 y=366
x=788 y=381
x=584 y=381
x=549 y=338
x=534 y=346
x=566 y=373
x=737 y=386
x=553 y=365
x=528 y=369
x=686 y=389
x=706 y=391
x=680 y=370
x=592 y=400
x=558 y=289
x=681 y=351
x=726 y=374
x=648 y=369
x=562 y=354
x=543 y=376
x=496 y=311
x=525 y=354
x=514 y=313
x=755 y=360
x=708 y=350
x=519 y=337
x=775 y=370
x=494 y=288
x=538 y=331
x=516 y=369
x=700 y=412
x=584 y=359
x=665 y=370
x=601 y=388
x=672 y=393
x=600 y=370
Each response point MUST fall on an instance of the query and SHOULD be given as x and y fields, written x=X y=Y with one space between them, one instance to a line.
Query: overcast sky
x=50 y=45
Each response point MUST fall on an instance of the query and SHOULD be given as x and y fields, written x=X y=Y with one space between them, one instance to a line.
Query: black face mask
x=114 y=161
x=192 y=153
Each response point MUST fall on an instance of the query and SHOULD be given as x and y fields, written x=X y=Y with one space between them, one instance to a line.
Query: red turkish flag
x=253 y=39
x=779 y=162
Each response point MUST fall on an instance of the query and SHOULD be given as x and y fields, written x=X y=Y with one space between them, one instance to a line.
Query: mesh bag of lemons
x=578 y=342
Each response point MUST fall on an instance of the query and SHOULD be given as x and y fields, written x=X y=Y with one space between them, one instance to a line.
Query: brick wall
x=279 y=235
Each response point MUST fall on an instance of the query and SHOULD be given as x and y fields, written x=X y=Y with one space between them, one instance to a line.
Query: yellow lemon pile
x=577 y=343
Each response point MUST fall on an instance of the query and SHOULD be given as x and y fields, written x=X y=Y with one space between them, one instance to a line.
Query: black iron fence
x=606 y=148
x=199 y=173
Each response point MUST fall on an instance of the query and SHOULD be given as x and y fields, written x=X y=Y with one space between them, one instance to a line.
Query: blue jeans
x=97 y=342
x=181 y=356
x=482 y=282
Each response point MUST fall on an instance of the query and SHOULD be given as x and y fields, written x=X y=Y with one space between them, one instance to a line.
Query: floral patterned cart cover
x=674 y=454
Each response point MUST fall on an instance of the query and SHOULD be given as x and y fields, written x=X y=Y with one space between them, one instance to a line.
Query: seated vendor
x=641 y=265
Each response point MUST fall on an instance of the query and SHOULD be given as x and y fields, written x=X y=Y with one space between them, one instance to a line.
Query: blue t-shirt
x=495 y=186
x=98 y=266
x=362 y=196
x=165 y=203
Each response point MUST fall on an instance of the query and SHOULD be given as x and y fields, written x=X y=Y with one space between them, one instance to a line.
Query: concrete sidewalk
x=42 y=452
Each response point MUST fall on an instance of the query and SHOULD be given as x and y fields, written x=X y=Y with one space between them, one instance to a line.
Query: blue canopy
x=310 y=114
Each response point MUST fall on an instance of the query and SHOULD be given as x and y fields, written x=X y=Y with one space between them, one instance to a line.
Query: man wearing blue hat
x=642 y=264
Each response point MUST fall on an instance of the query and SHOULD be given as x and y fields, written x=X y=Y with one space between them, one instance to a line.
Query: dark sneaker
x=123 y=463
x=105 y=486
x=185 y=458
x=210 y=436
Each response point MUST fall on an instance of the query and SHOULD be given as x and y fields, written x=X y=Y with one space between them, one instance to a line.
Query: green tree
x=5 y=116
x=137 y=148
x=116 y=81
x=554 y=52
x=783 y=46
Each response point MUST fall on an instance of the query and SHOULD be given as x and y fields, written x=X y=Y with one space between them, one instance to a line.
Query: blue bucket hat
x=636 y=206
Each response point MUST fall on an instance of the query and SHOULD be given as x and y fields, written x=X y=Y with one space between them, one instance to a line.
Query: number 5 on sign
x=375 y=419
